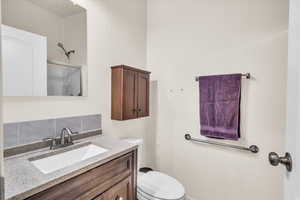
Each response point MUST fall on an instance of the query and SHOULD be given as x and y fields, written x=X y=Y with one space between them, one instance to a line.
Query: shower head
x=60 y=45
x=67 y=53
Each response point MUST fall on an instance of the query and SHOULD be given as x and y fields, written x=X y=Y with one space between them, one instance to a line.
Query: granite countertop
x=23 y=179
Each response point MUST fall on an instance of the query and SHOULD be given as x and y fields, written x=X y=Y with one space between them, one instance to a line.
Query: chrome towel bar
x=252 y=148
x=247 y=76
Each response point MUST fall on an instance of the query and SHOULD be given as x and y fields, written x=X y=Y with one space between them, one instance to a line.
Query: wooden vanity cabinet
x=114 y=180
x=120 y=191
x=99 y=198
x=130 y=93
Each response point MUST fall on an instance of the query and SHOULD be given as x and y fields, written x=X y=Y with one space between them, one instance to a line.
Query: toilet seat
x=158 y=186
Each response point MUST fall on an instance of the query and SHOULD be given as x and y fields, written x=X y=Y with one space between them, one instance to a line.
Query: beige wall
x=201 y=37
x=75 y=34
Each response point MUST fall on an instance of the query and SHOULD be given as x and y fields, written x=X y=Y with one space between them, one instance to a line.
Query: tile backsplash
x=20 y=133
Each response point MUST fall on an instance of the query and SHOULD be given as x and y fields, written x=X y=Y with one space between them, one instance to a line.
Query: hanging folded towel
x=220 y=106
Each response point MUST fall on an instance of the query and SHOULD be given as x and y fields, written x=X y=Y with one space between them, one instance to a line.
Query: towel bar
x=247 y=76
x=252 y=148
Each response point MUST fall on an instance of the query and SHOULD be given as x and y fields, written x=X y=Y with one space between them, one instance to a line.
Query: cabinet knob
x=140 y=110
x=134 y=110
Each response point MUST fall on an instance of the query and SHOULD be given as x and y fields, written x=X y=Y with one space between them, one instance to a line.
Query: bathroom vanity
x=111 y=175
x=113 y=180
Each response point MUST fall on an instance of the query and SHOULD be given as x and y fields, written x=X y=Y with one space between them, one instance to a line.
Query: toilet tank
x=139 y=142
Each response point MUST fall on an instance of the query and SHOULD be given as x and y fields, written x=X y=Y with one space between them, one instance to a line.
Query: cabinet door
x=143 y=94
x=121 y=191
x=130 y=95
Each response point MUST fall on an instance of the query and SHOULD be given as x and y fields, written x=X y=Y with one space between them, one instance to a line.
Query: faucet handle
x=53 y=141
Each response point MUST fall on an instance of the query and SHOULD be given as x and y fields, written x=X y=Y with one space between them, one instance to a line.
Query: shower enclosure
x=64 y=79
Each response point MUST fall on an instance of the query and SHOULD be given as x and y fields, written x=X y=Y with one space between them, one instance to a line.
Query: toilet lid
x=160 y=186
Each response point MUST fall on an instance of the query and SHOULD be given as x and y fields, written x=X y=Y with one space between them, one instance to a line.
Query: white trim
x=52 y=62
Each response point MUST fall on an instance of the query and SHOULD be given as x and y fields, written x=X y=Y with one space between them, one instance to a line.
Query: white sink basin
x=61 y=160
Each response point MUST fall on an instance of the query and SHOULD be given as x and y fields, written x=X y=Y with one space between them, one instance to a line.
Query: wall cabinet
x=114 y=180
x=130 y=93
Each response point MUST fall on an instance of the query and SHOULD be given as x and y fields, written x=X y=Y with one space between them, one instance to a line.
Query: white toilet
x=154 y=185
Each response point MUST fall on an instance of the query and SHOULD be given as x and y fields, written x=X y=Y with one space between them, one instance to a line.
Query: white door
x=24 y=63
x=1 y=131
x=292 y=179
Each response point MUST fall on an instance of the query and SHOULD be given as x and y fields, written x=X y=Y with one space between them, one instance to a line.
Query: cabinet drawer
x=92 y=183
x=121 y=191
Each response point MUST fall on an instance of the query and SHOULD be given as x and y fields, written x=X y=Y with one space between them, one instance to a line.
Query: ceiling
x=63 y=8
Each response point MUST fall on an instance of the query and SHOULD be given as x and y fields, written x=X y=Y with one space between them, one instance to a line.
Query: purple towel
x=220 y=106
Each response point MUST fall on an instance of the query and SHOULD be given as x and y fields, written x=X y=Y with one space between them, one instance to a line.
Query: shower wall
x=64 y=81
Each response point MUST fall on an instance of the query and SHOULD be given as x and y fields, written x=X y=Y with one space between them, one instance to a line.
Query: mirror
x=44 y=48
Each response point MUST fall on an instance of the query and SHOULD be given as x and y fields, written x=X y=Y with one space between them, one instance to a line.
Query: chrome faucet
x=61 y=142
x=69 y=133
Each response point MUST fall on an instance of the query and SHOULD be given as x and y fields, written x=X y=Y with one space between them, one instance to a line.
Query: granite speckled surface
x=23 y=180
